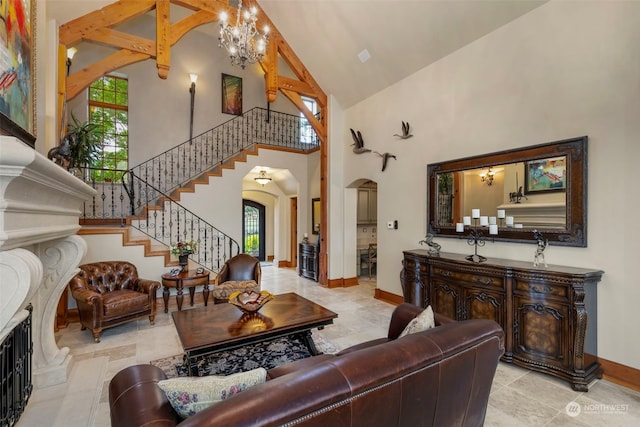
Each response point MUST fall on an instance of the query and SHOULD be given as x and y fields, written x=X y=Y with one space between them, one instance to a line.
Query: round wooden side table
x=189 y=279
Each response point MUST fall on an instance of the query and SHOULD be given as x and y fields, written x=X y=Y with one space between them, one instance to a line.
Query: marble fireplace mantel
x=40 y=205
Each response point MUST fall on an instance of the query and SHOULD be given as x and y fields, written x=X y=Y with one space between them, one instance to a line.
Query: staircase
x=147 y=200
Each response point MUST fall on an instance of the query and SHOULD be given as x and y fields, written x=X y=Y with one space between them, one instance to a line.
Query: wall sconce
x=70 y=54
x=192 y=90
x=487 y=177
x=262 y=178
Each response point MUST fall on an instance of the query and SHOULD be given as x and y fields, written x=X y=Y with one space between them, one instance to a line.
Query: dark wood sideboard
x=308 y=256
x=549 y=315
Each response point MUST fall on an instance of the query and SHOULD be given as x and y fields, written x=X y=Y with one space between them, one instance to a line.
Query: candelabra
x=476 y=237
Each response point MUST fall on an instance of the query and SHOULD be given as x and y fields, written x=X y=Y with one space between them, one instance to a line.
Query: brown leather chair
x=240 y=273
x=110 y=293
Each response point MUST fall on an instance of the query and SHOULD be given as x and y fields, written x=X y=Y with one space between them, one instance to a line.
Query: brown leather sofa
x=440 y=377
x=240 y=273
x=110 y=293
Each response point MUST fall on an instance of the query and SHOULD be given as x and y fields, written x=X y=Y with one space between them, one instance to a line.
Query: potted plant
x=80 y=146
x=182 y=250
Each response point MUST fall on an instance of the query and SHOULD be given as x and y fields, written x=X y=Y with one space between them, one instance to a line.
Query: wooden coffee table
x=218 y=327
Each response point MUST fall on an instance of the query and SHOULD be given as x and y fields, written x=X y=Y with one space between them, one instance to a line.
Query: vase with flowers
x=182 y=250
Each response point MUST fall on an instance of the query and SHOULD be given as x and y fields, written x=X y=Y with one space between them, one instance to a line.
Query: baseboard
x=270 y=258
x=620 y=374
x=335 y=283
x=350 y=281
x=388 y=297
x=283 y=263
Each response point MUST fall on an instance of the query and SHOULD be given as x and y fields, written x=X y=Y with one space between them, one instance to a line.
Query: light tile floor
x=518 y=398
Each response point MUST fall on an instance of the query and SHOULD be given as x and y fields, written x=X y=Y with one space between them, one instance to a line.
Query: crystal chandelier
x=243 y=41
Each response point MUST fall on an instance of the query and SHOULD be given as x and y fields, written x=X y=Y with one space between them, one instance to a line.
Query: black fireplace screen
x=15 y=372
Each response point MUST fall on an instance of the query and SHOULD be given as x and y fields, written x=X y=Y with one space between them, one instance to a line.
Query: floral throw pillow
x=421 y=322
x=189 y=395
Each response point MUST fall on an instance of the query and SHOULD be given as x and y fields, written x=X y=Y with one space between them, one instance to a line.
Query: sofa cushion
x=222 y=290
x=123 y=301
x=188 y=395
x=421 y=322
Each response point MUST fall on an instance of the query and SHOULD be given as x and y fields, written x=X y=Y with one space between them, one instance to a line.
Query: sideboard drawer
x=468 y=277
x=542 y=289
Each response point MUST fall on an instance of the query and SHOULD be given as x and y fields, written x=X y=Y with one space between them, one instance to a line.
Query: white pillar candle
x=475 y=213
x=509 y=221
x=501 y=213
x=459 y=227
x=466 y=220
x=484 y=221
x=492 y=220
x=518 y=226
x=306 y=236
x=493 y=229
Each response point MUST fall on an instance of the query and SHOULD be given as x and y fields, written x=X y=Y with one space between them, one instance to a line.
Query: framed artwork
x=231 y=95
x=545 y=175
x=17 y=70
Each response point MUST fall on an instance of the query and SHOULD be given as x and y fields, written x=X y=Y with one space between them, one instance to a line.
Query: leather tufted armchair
x=241 y=272
x=110 y=293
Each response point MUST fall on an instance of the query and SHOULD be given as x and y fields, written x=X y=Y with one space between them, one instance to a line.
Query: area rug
x=267 y=355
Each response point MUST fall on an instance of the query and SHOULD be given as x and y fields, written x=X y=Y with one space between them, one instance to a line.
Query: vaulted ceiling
x=401 y=36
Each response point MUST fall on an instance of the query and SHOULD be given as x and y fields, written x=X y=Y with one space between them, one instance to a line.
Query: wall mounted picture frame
x=545 y=175
x=231 y=95
x=17 y=70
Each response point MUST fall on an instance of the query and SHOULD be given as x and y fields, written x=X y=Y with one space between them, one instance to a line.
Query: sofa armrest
x=84 y=295
x=223 y=275
x=400 y=318
x=136 y=400
x=148 y=286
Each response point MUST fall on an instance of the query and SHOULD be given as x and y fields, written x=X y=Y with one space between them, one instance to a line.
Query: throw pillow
x=189 y=395
x=421 y=322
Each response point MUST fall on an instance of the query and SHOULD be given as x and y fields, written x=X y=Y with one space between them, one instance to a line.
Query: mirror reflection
x=540 y=187
x=499 y=191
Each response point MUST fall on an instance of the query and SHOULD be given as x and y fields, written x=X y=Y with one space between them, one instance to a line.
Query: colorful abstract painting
x=17 y=69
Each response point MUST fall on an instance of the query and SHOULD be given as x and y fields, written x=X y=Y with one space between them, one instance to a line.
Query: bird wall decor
x=358 y=143
x=385 y=159
x=406 y=131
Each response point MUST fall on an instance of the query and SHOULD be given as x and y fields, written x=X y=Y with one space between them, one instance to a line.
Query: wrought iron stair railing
x=168 y=222
x=178 y=165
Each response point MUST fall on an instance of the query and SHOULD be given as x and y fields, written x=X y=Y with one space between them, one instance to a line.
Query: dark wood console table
x=549 y=315
x=189 y=279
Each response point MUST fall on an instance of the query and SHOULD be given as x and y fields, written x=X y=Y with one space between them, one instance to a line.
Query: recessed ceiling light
x=364 y=56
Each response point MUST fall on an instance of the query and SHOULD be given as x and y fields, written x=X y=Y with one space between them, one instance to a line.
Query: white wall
x=566 y=69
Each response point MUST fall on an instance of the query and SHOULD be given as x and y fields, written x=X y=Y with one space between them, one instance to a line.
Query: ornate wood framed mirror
x=541 y=187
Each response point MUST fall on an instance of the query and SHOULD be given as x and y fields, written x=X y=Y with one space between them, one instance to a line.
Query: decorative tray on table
x=250 y=301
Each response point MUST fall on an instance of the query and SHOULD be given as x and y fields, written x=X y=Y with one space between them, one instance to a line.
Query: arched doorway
x=253 y=229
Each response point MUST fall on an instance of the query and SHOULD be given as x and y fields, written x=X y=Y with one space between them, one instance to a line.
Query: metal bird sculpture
x=385 y=159
x=406 y=131
x=358 y=143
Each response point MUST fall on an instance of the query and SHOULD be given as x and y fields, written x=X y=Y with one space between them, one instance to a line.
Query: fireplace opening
x=16 y=351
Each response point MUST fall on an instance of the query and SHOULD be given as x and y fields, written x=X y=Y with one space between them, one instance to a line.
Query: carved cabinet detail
x=548 y=314
x=308 y=255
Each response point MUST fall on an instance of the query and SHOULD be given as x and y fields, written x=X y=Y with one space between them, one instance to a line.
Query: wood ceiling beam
x=269 y=65
x=296 y=86
x=114 y=38
x=183 y=26
x=83 y=78
x=317 y=125
x=111 y=15
x=163 y=38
